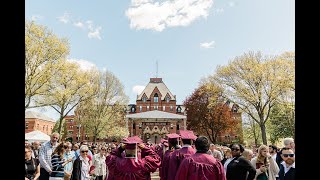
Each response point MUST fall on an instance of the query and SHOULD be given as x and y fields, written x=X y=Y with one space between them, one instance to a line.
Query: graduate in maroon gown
x=132 y=167
x=160 y=151
x=201 y=165
x=173 y=140
x=177 y=156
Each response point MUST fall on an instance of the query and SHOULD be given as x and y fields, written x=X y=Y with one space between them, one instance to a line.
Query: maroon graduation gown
x=165 y=164
x=127 y=169
x=200 y=166
x=176 y=158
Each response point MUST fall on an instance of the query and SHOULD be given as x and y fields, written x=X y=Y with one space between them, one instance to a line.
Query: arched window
x=144 y=99
x=155 y=98
x=140 y=108
x=167 y=99
x=147 y=108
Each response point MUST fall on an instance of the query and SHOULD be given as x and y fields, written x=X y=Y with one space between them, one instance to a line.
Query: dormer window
x=155 y=97
x=167 y=99
x=144 y=99
x=133 y=109
x=179 y=109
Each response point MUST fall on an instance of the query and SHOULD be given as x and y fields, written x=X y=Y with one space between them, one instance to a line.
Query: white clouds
x=84 y=64
x=139 y=2
x=65 y=18
x=95 y=34
x=138 y=89
x=220 y=10
x=93 y=31
x=79 y=24
x=207 y=45
x=231 y=4
x=146 y=14
x=36 y=17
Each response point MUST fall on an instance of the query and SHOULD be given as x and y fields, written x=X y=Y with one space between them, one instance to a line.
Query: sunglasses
x=84 y=151
x=235 y=149
x=288 y=155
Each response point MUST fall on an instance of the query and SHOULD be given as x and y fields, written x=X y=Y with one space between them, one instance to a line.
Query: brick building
x=38 y=121
x=155 y=113
x=76 y=132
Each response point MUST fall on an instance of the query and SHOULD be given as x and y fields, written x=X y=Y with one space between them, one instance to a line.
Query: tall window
x=155 y=98
x=147 y=108
x=27 y=125
x=155 y=108
x=38 y=126
x=171 y=108
x=168 y=99
x=144 y=99
x=140 y=108
x=164 y=108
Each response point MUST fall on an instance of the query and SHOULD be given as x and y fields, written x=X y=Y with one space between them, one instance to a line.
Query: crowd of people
x=182 y=156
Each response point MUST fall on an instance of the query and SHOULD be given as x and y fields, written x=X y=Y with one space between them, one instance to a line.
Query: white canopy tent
x=37 y=136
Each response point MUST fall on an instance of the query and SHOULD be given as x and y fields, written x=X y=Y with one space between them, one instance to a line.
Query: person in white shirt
x=99 y=163
x=273 y=151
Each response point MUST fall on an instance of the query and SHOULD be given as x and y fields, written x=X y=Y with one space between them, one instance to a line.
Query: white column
x=185 y=124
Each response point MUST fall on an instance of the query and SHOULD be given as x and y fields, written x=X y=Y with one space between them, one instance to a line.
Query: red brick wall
x=32 y=124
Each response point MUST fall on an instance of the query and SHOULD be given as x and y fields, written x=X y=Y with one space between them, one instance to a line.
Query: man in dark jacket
x=239 y=168
x=287 y=166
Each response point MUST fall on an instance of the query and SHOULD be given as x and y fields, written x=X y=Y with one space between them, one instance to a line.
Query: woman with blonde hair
x=266 y=167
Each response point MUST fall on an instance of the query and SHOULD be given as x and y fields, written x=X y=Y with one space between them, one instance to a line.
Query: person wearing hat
x=173 y=140
x=132 y=166
x=200 y=165
x=160 y=151
x=177 y=156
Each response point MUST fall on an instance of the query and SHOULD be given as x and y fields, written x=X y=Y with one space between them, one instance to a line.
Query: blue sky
x=188 y=38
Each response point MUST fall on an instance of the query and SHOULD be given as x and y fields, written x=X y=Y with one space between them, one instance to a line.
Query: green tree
x=255 y=82
x=69 y=87
x=64 y=131
x=282 y=122
x=252 y=133
x=103 y=114
x=44 y=52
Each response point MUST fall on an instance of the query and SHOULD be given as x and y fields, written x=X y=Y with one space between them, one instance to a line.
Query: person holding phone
x=266 y=167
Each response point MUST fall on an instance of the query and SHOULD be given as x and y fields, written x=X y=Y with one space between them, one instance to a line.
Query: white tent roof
x=37 y=136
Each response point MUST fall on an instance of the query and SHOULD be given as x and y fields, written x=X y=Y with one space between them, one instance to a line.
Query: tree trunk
x=263 y=133
x=60 y=124
x=94 y=139
x=254 y=133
